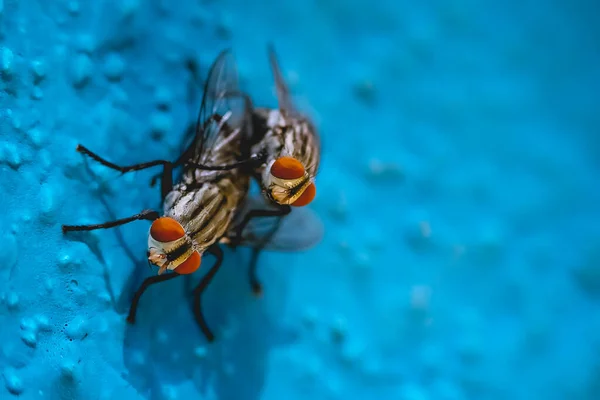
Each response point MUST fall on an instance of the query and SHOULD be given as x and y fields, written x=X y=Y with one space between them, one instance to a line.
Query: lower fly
x=197 y=211
x=284 y=158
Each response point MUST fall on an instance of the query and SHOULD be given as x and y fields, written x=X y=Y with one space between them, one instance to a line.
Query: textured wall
x=459 y=190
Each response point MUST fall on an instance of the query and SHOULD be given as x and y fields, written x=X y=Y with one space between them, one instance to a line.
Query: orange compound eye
x=306 y=197
x=287 y=168
x=190 y=265
x=166 y=229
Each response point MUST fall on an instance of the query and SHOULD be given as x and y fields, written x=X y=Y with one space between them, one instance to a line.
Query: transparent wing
x=286 y=105
x=284 y=97
x=300 y=230
x=224 y=108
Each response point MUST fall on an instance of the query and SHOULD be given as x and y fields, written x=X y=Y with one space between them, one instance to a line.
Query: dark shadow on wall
x=165 y=347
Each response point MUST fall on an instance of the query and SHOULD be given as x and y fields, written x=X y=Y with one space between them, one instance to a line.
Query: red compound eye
x=306 y=197
x=190 y=265
x=287 y=168
x=166 y=229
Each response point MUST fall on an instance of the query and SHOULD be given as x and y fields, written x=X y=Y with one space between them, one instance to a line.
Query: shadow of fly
x=210 y=204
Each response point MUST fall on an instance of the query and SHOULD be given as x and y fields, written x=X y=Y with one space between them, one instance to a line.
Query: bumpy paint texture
x=458 y=187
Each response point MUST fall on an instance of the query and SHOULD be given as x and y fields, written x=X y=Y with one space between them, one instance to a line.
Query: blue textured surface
x=459 y=190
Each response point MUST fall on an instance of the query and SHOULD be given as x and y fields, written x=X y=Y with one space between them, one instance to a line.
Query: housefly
x=198 y=210
x=284 y=159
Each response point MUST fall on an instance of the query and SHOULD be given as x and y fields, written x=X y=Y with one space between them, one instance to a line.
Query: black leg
x=148 y=215
x=197 y=306
x=138 y=294
x=167 y=174
x=129 y=168
x=283 y=210
x=254 y=282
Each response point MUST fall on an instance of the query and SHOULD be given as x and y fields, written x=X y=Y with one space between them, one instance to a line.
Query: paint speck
x=470 y=348
x=425 y=229
x=28 y=324
x=43 y=323
x=162 y=337
x=200 y=352
x=420 y=296
x=352 y=354
x=169 y=392
x=223 y=26
x=12 y=300
x=13 y=382
x=228 y=369
x=339 y=208
x=49 y=285
x=48 y=204
x=7 y=59
x=38 y=70
x=310 y=316
x=67 y=370
x=10 y=155
x=37 y=93
x=129 y=8
x=411 y=391
x=86 y=44
x=138 y=358
x=362 y=260
x=114 y=66
x=163 y=98
x=104 y=298
x=459 y=251
x=10 y=251
x=29 y=338
x=73 y=8
x=161 y=124
x=37 y=137
x=365 y=91
x=77 y=328
x=587 y=275
x=338 y=329
x=81 y=70
x=384 y=171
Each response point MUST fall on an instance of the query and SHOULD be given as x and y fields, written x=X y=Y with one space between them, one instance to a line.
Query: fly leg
x=148 y=215
x=138 y=294
x=167 y=175
x=216 y=251
x=255 y=284
x=281 y=211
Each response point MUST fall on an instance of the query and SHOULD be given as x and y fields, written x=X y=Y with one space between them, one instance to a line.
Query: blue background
x=458 y=188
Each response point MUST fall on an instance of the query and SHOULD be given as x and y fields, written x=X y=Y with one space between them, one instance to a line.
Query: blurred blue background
x=458 y=188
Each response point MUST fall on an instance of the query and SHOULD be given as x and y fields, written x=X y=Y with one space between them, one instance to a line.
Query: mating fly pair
x=211 y=203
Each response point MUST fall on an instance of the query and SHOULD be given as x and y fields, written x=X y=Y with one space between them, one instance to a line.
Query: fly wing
x=284 y=98
x=300 y=230
x=224 y=110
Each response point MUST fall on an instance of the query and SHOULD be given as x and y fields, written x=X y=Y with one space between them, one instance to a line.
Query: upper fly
x=284 y=157
x=290 y=146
